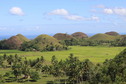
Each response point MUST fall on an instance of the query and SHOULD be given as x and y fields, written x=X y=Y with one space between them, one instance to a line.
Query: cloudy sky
x=34 y=17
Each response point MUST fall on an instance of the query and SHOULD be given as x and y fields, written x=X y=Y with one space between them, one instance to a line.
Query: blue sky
x=34 y=17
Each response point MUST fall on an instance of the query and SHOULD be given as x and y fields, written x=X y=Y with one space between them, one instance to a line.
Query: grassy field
x=95 y=54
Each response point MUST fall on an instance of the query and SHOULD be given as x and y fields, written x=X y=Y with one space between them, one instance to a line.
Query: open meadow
x=95 y=54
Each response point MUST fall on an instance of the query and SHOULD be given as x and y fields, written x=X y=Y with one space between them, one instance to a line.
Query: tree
x=26 y=71
x=2 y=80
x=1 y=61
x=54 y=60
x=10 y=59
x=17 y=70
x=34 y=76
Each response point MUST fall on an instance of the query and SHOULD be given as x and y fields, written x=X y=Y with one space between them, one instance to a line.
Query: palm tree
x=10 y=60
x=17 y=70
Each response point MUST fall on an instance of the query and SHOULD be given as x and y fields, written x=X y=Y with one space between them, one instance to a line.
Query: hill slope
x=15 y=42
x=42 y=43
x=79 y=35
x=112 y=33
x=62 y=36
x=102 y=37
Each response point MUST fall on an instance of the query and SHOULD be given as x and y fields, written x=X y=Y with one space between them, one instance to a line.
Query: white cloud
x=120 y=11
x=117 y=11
x=16 y=11
x=100 y=6
x=95 y=18
x=80 y=18
x=74 y=17
x=69 y=16
x=59 y=12
x=108 y=11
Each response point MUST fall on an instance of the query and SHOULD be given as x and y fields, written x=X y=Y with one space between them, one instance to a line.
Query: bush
x=35 y=76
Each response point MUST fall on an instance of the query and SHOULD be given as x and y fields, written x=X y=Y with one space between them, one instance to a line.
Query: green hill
x=22 y=38
x=79 y=35
x=104 y=37
x=42 y=43
x=45 y=40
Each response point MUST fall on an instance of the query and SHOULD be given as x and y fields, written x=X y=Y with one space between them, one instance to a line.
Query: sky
x=34 y=17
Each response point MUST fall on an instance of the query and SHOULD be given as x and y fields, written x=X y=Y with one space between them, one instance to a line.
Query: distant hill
x=112 y=33
x=22 y=38
x=79 y=35
x=42 y=43
x=102 y=37
x=122 y=36
x=46 y=39
x=63 y=36
x=15 y=42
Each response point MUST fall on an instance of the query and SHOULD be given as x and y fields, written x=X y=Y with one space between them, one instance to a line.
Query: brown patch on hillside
x=112 y=33
x=62 y=36
x=15 y=42
x=123 y=35
x=79 y=35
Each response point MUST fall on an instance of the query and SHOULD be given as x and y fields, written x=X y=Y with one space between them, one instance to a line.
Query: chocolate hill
x=63 y=36
x=79 y=35
x=112 y=33
x=15 y=42
x=42 y=43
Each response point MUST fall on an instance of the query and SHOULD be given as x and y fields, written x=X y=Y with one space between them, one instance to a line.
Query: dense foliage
x=89 y=42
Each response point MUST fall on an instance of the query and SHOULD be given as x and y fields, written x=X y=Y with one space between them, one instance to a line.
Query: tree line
x=88 y=42
x=42 y=44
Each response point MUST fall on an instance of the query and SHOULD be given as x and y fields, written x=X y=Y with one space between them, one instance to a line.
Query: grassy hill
x=42 y=43
x=46 y=39
x=104 y=37
x=15 y=42
x=22 y=38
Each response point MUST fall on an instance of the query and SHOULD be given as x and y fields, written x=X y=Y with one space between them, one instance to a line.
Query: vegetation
x=88 y=67
x=42 y=43
x=96 y=55
x=74 y=70
x=61 y=41
x=98 y=40
x=103 y=37
x=13 y=42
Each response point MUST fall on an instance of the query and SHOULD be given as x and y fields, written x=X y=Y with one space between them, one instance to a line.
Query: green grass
x=95 y=54
x=44 y=80
x=3 y=71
